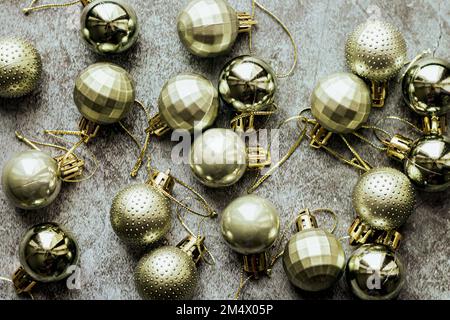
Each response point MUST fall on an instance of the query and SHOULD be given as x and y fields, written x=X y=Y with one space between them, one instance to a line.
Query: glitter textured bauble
x=384 y=198
x=426 y=86
x=376 y=50
x=313 y=260
x=250 y=224
x=20 y=67
x=208 y=28
x=428 y=163
x=109 y=26
x=188 y=100
x=218 y=158
x=47 y=251
x=375 y=272
x=104 y=93
x=31 y=179
x=140 y=214
x=341 y=102
x=167 y=273
x=247 y=84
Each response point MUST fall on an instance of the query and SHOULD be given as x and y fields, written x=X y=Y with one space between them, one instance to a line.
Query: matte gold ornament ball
x=218 y=158
x=104 y=93
x=384 y=198
x=375 y=272
x=188 y=101
x=31 y=179
x=341 y=102
x=167 y=273
x=247 y=84
x=109 y=26
x=250 y=224
x=20 y=67
x=47 y=251
x=140 y=214
x=426 y=86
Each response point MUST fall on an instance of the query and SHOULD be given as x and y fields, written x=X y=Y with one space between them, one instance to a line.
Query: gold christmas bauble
x=218 y=158
x=140 y=214
x=384 y=198
x=31 y=179
x=167 y=273
x=20 y=67
x=250 y=224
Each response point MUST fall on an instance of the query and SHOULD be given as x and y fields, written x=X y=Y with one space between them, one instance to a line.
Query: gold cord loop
x=33 y=8
x=242 y=282
x=329 y=212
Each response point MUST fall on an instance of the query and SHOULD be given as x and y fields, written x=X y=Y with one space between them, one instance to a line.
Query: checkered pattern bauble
x=341 y=102
x=104 y=93
x=208 y=28
x=188 y=100
x=313 y=260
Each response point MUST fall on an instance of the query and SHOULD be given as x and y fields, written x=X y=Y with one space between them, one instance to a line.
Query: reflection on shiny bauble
x=250 y=224
x=375 y=272
x=31 y=179
x=218 y=158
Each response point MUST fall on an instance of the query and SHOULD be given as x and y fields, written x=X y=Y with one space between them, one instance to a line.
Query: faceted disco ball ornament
x=109 y=26
x=375 y=272
x=20 y=67
x=218 y=158
x=31 y=179
x=376 y=50
x=247 y=84
x=188 y=100
x=384 y=198
x=104 y=93
x=341 y=102
x=426 y=86
x=140 y=214
x=167 y=273
x=47 y=251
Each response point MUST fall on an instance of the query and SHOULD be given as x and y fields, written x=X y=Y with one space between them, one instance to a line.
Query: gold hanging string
x=271 y=111
x=286 y=30
x=242 y=282
x=331 y=213
x=32 y=7
x=357 y=157
x=5 y=279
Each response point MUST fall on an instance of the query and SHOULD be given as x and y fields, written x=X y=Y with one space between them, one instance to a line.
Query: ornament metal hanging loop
x=330 y=213
x=32 y=7
x=5 y=279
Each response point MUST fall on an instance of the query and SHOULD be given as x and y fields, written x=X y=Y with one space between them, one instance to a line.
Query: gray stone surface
x=310 y=178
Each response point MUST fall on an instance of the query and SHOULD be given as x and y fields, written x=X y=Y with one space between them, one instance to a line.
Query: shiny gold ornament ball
x=341 y=102
x=247 y=84
x=167 y=273
x=426 y=88
x=313 y=260
x=20 y=67
x=250 y=224
x=384 y=198
x=47 y=251
x=375 y=272
x=188 y=101
x=376 y=50
x=109 y=26
x=104 y=93
x=140 y=215
x=218 y=158
x=31 y=179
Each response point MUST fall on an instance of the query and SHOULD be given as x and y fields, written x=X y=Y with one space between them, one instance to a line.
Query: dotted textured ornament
x=104 y=93
x=341 y=102
x=20 y=67
x=140 y=214
x=167 y=273
x=384 y=198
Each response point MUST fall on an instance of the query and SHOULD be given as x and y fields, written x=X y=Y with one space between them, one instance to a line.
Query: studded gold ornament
x=209 y=28
x=218 y=158
x=313 y=258
x=376 y=51
x=20 y=67
x=247 y=84
x=375 y=272
x=46 y=253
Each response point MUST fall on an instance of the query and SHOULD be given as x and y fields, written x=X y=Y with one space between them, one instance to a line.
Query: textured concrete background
x=310 y=179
